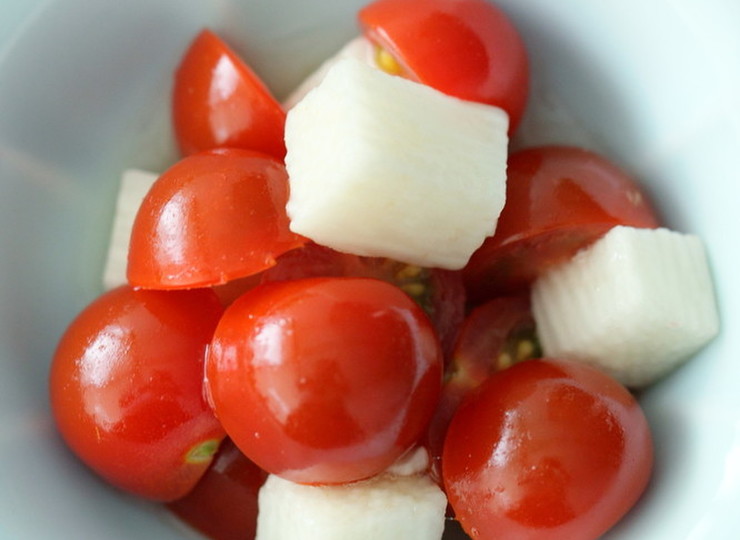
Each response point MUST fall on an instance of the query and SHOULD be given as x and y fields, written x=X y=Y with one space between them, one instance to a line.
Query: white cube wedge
x=636 y=304
x=386 y=507
x=382 y=166
x=134 y=185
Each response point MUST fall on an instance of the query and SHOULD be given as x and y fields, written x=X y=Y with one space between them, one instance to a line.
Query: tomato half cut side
x=126 y=388
x=219 y=101
x=211 y=218
x=545 y=450
x=340 y=374
x=465 y=48
x=223 y=504
x=559 y=199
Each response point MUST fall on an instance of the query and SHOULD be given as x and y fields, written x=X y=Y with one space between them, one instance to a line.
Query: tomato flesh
x=210 y=218
x=465 y=48
x=547 y=449
x=126 y=388
x=324 y=380
x=559 y=199
x=219 y=101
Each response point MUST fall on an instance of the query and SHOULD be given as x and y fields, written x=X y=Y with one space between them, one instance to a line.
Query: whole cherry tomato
x=223 y=504
x=465 y=48
x=218 y=101
x=126 y=387
x=324 y=380
x=439 y=292
x=559 y=199
x=211 y=217
x=546 y=449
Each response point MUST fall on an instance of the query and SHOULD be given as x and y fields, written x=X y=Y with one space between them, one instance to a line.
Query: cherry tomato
x=547 y=449
x=223 y=505
x=439 y=292
x=218 y=101
x=324 y=380
x=558 y=200
x=493 y=337
x=465 y=48
x=126 y=389
x=211 y=217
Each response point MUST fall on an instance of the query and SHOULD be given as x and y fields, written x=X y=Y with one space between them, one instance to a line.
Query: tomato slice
x=494 y=336
x=465 y=48
x=126 y=388
x=559 y=199
x=439 y=292
x=223 y=505
x=547 y=449
x=219 y=101
x=324 y=380
x=210 y=218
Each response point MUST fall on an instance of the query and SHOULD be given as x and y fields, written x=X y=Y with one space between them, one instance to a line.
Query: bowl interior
x=84 y=94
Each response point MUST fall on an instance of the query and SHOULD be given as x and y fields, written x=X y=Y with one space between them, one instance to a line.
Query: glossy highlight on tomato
x=465 y=48
x=219 y=101
x=559 y=199
x=126 y=388
x=545 y=450
x=211 y=218
x=324 y=380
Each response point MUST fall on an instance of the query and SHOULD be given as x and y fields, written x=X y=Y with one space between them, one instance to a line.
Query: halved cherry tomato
x=493 y=337
x=223 y=505
x=465 y=48
x=126 y=387
x=324 y=380
x=211 y=217
x=559 y=199
x=439 y=292
x=218 y=101
x=547 y=449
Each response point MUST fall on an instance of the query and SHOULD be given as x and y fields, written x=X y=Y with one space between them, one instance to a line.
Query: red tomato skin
x=223 y=504
x=210 y=218
x=465 y=48
x=559 y=199
x=324 y=380
x=218 y=101
x=126 y=388
x=441 y=293
x=484 y=335
x=547 y=449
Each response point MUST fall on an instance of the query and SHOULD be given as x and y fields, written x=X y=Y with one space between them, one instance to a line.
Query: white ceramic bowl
x=84 y=94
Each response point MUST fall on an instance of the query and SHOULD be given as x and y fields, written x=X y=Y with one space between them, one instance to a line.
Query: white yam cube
x=359 y=48
x=637 y=303
x=386 y=507
x=382 y=166
x=134 y=186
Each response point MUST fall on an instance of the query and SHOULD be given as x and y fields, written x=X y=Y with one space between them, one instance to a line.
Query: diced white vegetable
x=386 y=507
x=134 y=186
x=415 y=461
x=382 y=166
x=636 y=304
x=359 y=48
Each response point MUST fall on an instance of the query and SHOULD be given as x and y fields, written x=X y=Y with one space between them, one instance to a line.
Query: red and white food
x=337 y=315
